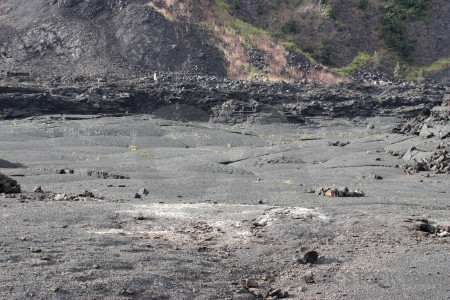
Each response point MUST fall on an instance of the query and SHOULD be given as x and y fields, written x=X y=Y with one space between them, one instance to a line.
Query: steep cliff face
x=134 y=38
x=96 y=37
x=243 y=39
x=334 y=32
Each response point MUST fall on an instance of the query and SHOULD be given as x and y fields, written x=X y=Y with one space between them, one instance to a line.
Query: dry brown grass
x=234 y=41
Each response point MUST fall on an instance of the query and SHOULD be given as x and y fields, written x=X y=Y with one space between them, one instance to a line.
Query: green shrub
x=362 y=4
x=340 y=26
x=291 y=26
x=260 y=8
x=394 y=33
x=329 y=11
x=415 y=8
x=325 y=55
x=360 y=60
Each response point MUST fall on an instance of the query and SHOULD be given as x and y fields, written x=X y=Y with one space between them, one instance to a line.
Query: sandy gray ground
x=225 y=203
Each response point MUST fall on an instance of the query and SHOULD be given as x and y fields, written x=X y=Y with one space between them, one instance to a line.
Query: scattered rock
x=308 y=277
x=66 y=171
x=311 y=256
x=444 y=234
x=377 y=177
x=249 y=283
x=308 y=257
x=437 y=162
x=59 y=197
x=87 y=194
x=274 y=292
x=8 y=185
x=258 y=292
x=338 y=144
x=143 y=191
x=38 y=189
x=137 y=196
x=339 y=192
x=35 y=250
x=424 y=225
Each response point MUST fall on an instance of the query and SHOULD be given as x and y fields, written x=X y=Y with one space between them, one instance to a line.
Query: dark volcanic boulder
x=8 y=185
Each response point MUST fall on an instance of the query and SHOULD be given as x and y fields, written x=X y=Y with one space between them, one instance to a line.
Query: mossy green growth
x=360 y=60
x=249 y=32
x=362 y=4
x=296 y=48
x=438 y=65
x=418 y=74
x=223 y=5
x=394 y=12
x=291 y=26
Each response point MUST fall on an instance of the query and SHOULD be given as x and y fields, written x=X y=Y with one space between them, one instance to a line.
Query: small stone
x=59 y=197
x=249 y=283
x=308 y=277
x=378 y=158
x=140 y=217
x=66 y=171
x=302 y=289
x=331 y=193
x=444 y=234
x=35 y=250
x=143 y=191
x=311 y=256
x=370 y=126
x=37 y=189
x=260 y=202
x=356 y=193
x=127 y=292
x=275 y=292
x=137 y=196
x=424 y=227
x=377 y=177
x=259 y=293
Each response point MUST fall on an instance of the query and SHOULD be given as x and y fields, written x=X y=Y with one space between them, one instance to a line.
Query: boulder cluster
x=437 y=162
x=8 y=185
x=431 y=123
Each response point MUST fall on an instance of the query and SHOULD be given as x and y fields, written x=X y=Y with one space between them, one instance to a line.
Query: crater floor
x=225 y=214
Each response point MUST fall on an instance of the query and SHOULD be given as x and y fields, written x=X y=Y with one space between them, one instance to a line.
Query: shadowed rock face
x=74 y=37
x=203 y=98
x=8 y=185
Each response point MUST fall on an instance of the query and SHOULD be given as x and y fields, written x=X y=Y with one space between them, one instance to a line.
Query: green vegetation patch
x=290 y=26
x=393 y=15
x=223 y=5
x=362 y=4
x=418 y=74
x=249 y=32
x=360 y=60
x=414 y=8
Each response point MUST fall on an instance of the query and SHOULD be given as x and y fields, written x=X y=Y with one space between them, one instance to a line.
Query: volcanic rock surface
x=222 y=211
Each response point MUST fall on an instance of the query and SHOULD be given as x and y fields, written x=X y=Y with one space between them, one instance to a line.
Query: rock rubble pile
x=8 y=185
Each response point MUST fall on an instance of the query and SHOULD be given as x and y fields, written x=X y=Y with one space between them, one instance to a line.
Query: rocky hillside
x=326 y=40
